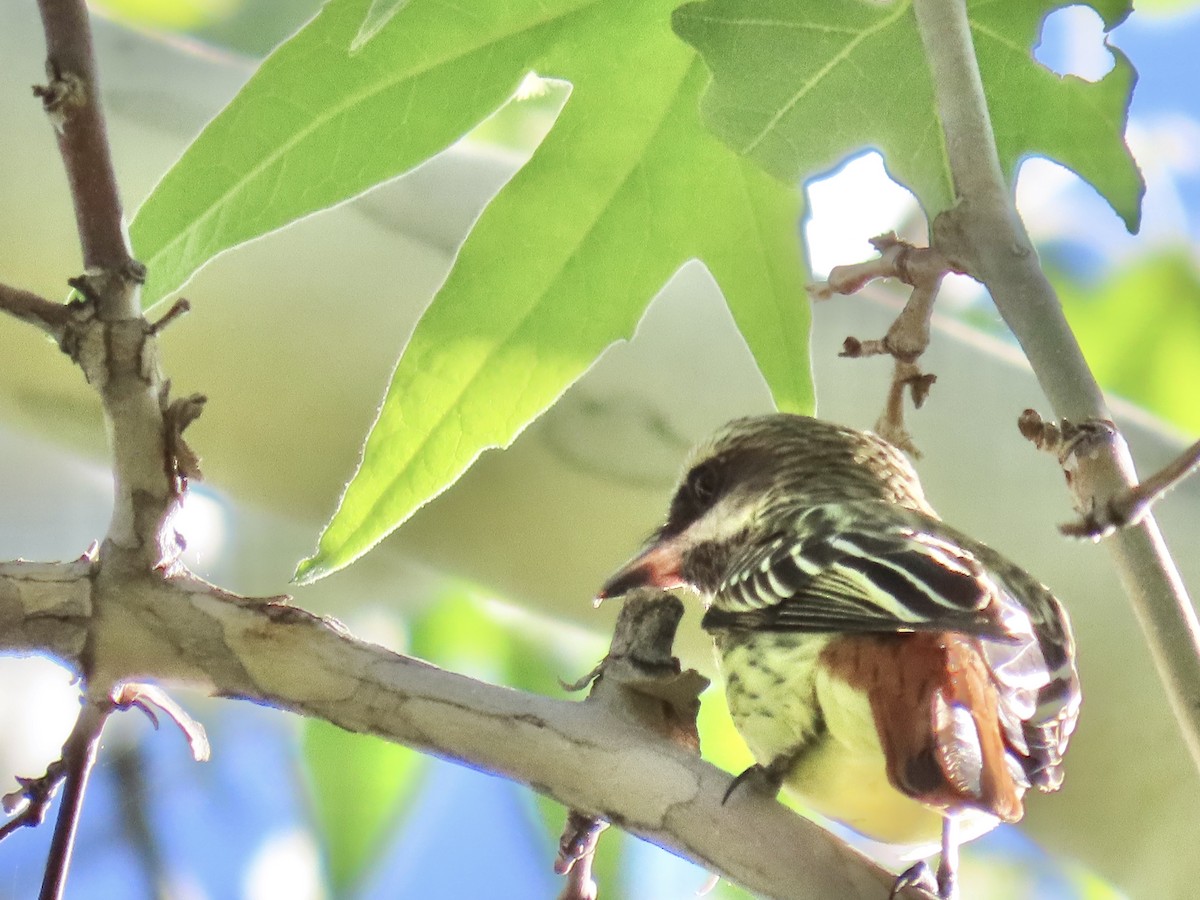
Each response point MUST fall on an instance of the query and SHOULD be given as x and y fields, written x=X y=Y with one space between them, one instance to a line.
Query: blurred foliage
x=1140 y=331
x=254 y=29
x=171 y=15
x=1167 y=7
x=360 y=785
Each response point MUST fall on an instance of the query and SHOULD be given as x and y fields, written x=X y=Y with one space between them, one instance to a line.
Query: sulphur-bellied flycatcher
x=895 y=674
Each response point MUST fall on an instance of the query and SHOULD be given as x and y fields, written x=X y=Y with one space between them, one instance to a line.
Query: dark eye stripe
x=701 y=488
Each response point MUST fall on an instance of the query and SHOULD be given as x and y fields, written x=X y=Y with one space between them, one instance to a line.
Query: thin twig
x=178 y=309
x=31 y=800
x=27 y=306
x=984 y=235
x=1072 y=442
x=576 y=851
x=639 y=679
x=922 y=268
x=1130 y=507
x=78 y=757
x=71 y=98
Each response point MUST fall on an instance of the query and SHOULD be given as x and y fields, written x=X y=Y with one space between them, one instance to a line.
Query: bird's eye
x=703 y=483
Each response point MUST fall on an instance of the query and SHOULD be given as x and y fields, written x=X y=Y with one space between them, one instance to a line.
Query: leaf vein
x=834 y=61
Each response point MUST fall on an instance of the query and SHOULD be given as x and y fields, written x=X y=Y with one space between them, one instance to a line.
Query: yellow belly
x=781 y=700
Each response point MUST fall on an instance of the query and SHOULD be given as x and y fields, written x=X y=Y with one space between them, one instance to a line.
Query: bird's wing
x=1041 y=695
x=858 y=568
x=862 y=568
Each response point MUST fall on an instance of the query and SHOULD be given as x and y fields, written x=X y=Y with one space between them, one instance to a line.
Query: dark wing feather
x=872 y=568
x=857 y=568
x=1041 y=694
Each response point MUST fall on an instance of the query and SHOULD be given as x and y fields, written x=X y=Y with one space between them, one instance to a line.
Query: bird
x=891 y=672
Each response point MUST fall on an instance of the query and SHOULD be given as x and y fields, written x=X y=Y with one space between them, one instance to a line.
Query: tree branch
x=78 y=757
x=922 y=268
x=45 y=607
x=985 y=235
x=184 y=632
x=35 y=310
x=71 y=100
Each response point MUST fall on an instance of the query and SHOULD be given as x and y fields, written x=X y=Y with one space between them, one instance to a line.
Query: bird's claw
x=919 y=876
x=764 y=779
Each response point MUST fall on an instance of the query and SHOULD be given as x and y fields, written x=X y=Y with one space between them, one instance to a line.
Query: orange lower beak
x=657 y=566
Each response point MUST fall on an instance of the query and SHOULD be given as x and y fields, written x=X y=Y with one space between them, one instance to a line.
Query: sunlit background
x=296 y=809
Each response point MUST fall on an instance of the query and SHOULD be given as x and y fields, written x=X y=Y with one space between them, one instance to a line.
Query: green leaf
x=626 y=188
x=378 y=15
x=316 y=126
x=1140 y=331
x=359 y=784
x=799 y=85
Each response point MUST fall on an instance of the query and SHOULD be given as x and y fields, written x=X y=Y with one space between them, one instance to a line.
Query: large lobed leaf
x=800 y=84
x=628 y=187
x=317 y=125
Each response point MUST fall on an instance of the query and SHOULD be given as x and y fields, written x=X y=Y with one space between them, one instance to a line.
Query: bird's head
x=740 y=485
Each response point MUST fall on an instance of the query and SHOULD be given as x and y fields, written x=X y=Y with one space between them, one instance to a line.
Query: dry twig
x=923 y=268
x=1102 y=517
x=32 y=799
x=105 y=333
x=34 y=310
x=640 y=679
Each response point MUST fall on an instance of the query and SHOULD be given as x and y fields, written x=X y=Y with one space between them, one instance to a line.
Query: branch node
x=83 y=285
x=920 y=385
x=1069 y=441
x=576 y=849
x=641 y=679
x=135 y=272
x=923 y=268
x=178 y=309
x=144 y=696
x=183 y=463
x=64 y=92
x=1073 y=443
x=1103 y=517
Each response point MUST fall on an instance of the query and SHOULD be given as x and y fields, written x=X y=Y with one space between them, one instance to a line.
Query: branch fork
x=64 y=92
x=922 y=268
x=640 y=679
x=1075 y=444
x=31 y=801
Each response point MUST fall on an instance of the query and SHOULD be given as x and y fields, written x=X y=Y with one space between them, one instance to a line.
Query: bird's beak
x=656 y=566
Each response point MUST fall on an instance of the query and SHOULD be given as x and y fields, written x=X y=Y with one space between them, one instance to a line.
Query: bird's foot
x=764 y=779
x=918 y=876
